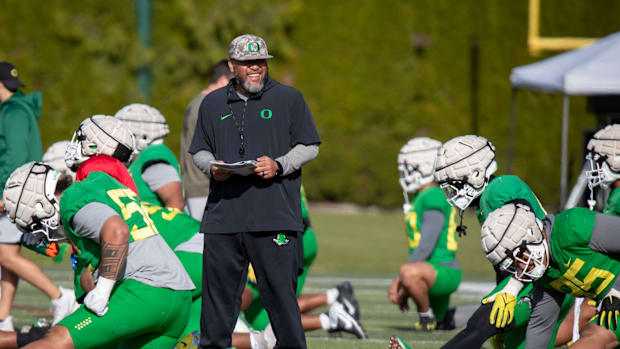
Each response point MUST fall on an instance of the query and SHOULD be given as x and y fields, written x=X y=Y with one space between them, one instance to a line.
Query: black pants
x=225 y=267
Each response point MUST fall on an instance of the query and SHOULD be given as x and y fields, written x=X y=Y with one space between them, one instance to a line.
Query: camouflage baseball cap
x=248 y=47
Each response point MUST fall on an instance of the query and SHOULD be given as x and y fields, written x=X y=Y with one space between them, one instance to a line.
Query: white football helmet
x=146 y=123
x=463 y=168
x=100 y=134
x=512 y=238
x=54 y=156
x=30 y=202
x=604 y=157
x=415 y=165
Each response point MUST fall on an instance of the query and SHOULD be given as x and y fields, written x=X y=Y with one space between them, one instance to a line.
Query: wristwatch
x=280 y=170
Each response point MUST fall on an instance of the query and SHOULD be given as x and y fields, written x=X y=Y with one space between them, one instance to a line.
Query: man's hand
x=1 y=206
x=219 y=174
x=608 y=312
x=503 y=309
x=266 y=167
x=393 y=291
x=97 y=299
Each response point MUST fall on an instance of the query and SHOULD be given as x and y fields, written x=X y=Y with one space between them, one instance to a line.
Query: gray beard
x=251 y=89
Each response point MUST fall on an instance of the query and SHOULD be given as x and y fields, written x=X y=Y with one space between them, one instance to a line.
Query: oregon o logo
x=253 y=46
x=266 y=113
x=14 y=72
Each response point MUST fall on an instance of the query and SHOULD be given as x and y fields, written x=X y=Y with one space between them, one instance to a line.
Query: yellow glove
x=503 y=309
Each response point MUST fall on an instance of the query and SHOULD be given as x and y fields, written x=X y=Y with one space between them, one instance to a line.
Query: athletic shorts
x=9 y=234
x=447 y=280
x=138 y=316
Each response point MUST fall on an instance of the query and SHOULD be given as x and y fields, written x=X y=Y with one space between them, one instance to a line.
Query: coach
x=255 y=218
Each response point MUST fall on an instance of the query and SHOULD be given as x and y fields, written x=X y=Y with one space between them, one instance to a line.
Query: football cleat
x=447 y=323
x=348 y=300
x=341 y=320
x=398 y=343
x=425 y=324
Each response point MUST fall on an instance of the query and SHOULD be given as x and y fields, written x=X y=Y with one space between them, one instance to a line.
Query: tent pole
x=511 y=145
x=564 y=164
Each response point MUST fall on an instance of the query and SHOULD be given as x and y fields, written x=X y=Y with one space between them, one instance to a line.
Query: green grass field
x=366 y=247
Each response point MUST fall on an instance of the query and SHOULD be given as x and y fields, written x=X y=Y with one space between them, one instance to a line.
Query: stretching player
x=432 y=273
x=571 y=253
x=62 y=300
x=154 y=168
x=464 y=169
x=604 y=157
x=121 y=284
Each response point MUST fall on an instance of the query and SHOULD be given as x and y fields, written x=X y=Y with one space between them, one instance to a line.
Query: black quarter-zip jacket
x=273 y=122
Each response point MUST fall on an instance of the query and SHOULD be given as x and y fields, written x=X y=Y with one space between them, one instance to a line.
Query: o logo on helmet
x=266 y=113
x=14 y=72
x=253 y=46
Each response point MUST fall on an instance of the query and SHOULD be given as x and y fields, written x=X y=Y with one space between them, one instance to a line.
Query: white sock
x=256 y=340
x=428 y=313
x=325 y=323
x=332 y=295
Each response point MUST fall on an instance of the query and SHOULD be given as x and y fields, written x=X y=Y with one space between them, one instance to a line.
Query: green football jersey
x=152 y=153
x=101 y=188
x=174 y=226
x=432 y=198
x=578 y=269
x=503 y=189
x=612 y=206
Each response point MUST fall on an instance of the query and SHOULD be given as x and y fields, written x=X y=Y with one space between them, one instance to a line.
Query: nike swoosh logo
x=567 y=263
x=225 y=116
x=349 y=306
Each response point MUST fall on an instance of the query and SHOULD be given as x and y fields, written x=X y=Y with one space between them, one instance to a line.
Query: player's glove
x=609 y=310
x=504 y=303
x=97 y=299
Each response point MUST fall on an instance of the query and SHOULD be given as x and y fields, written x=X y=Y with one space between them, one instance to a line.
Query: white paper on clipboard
x=242 y=168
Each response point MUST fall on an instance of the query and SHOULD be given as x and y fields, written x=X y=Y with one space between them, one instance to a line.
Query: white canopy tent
x=590 y=70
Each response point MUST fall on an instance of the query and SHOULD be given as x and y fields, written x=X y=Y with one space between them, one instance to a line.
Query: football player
x=432 y=272
x=14 y=267
x=464 y=169
x=121 y=284
x=604 y=158
x=571 y=253
x=154 y=168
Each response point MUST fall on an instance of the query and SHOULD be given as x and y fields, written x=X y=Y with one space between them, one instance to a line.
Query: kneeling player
x=116 y=241
x=432 y=273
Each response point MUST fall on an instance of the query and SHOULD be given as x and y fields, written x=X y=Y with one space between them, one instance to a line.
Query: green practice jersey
x=174 y=226
x=101 y=188
x=503 y=189
x=612 y=206
x=157 y=153
x=432 y=198
x=578 y=269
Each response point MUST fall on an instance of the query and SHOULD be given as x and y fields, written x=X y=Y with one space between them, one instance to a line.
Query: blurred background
x=375 y=73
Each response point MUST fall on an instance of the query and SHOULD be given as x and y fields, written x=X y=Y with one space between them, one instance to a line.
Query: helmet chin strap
x=461 y=229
